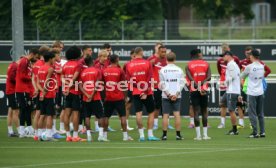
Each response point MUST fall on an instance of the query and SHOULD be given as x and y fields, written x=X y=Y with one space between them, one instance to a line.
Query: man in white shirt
x=255 y=92
x=233 y=89
x=171 y=85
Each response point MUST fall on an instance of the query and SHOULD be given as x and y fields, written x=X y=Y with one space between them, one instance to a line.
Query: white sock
x=39 y=132
x=192 y=120
x=127 y=123
x=141 y=132
x=150 y=133
x=30 y=128
x=71 y=125
x=36 y=132
x=105 y=134
x=61 y=126
x=88 y=132
x=241 y=122
x=48 y=133
x=10 y=130
x=68 y=134
x=75 y=134
x=125 y=135
x=54 y=124
x=205 y=131
x=96 y=125
x=222 y=120
x=155 y=122
x=80 y=127
x=198 y=134
x=101 y=132
x=21 y=130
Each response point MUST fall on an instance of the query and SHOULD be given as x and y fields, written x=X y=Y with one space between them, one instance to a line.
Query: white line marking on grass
x=130 y=157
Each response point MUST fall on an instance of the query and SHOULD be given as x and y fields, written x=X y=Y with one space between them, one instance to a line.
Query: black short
x=148 y=103
x=59 y=95
x=198 y=100
x=72 y=101
x=221 y=92
x=93 y=107
x=12 y=102
x=110 y=106
x=157 y=99
x=47 y=107
x=129 y=95
x=36 y=103
x=24 y=100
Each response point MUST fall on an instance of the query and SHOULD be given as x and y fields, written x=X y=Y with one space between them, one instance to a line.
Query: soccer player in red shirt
x=39 y=63
x=13 y=110
x=139 y=74
x=106 y=47
x=47 y=85
x=70 y=75
x=23 y=89
x=158 y=60
x=91 y=97
x=115 y=85
x=86 y=52
x=198 y=74
x=128 y=103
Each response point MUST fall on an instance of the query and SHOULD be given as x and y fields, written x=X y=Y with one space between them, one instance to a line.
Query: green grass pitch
x=222 y=151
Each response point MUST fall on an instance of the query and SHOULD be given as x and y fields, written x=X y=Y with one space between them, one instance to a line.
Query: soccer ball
x=44 y=137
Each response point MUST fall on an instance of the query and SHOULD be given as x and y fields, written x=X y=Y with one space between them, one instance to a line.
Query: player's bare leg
x=191 y=114
x=241 y=118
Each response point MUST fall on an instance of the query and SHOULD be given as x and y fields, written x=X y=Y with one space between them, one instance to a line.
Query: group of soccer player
x=43 y=84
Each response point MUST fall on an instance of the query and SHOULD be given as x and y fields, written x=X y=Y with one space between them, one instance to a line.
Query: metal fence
x=145 y=30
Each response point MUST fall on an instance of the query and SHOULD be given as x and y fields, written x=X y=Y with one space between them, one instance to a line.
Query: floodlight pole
x=17 y=29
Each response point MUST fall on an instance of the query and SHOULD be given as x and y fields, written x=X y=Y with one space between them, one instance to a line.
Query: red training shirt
x=11 y=78
x=23 y=76
x=157 y=64
x=68 y=71
x=42 y=78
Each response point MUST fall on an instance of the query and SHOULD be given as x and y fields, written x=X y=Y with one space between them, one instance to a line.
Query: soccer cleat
x=36 y=138
x=68 y=139
x=164 y=138
x=191 y=125
x=102 y=139
x=155 y=127
x=58 y=136
x=232 y=132
x=178 y=138
x=61 y=132
x=153 y=138
x=170 y=127
x=240 y=126
x=83 y=131
x=89 y=139
x=198 y=139
x=262 y=135
x=253 y=135
x=78 y=139
x=142 y=139
x=129 y=138
x=130 y=129
x=111 y=129
x=22 y=135
x=206 y=138
x=13 y=135
x=220 y=126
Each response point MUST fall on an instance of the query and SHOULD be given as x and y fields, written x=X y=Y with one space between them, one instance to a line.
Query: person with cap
x=233 y=89
x=255 y=93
